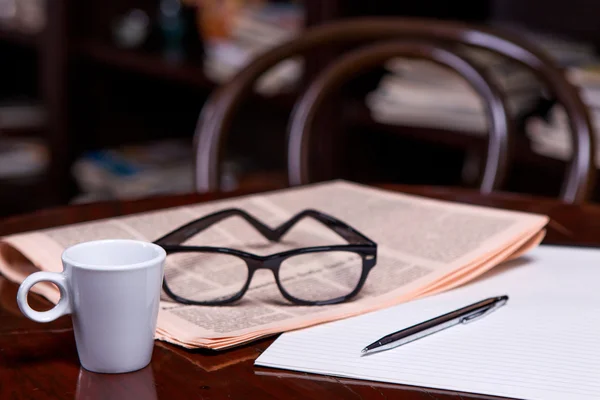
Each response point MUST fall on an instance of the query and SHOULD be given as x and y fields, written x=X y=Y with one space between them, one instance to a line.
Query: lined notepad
x=544 y=344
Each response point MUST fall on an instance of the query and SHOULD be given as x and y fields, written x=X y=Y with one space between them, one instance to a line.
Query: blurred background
x=99 y=99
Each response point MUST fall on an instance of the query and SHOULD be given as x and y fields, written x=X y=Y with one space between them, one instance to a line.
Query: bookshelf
x=145 y=63
x=526 y=168
x=44 y=83
x=98 y=94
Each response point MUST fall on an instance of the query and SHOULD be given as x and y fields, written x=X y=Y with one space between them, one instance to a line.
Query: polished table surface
x=39 y=361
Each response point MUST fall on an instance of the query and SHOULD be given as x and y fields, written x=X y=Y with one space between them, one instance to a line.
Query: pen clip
x=482 y=313
x=477 y=315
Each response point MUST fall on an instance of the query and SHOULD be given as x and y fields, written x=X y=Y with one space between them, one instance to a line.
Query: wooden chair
x=302 y=122
x=217 y=115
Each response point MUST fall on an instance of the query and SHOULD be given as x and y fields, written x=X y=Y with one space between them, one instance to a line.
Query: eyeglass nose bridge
x=266 y=264
x=269 y=264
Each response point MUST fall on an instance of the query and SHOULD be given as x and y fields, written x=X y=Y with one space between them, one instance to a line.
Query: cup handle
x=64 y=304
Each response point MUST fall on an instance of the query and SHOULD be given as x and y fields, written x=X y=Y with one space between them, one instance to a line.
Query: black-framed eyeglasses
x=318 y=275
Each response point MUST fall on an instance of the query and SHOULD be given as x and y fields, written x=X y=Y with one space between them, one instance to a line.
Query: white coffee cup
x=112 y=289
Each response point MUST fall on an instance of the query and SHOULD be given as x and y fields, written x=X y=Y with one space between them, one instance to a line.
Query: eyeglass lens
x=205 y=277
x=321 y=276
x=214 y=277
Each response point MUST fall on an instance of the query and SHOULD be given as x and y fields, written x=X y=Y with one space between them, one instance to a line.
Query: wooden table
x=39 y=361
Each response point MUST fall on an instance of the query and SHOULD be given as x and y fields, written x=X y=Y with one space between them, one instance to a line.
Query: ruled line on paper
x=544 y=344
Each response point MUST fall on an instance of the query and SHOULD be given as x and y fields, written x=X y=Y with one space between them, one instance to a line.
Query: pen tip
x=364 y=350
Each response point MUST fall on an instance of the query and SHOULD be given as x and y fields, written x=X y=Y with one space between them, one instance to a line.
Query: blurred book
x=550 y=135
x=250 y=29
x=421 y=93
x=587 y=79
x=25 y=16
x=21 y=159
x=586 y=75
x=147 y=169
x=21 y=114
x=418 y=92
x=134 y=171
x=463 y=121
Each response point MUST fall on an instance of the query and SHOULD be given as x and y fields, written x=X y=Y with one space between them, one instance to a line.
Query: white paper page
x=543 y=344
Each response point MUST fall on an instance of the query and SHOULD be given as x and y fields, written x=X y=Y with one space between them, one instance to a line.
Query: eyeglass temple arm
x=185 y=232
x=343 y=230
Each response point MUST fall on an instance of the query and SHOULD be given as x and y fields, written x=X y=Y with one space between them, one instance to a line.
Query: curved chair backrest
x=217 y=114
x=354 y=63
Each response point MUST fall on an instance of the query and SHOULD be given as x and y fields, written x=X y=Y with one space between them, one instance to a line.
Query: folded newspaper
x=425 y=247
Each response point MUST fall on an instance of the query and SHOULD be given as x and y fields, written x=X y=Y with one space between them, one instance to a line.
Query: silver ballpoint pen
x=461 y=316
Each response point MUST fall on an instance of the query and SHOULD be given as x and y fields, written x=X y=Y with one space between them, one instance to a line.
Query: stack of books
x=424 y=94
x=22 y=159
x=134 y=171
x=254 y=29
x=24 y=16
x=421 y=93
x=21 y=156
x=550 y=135
x=21 y=114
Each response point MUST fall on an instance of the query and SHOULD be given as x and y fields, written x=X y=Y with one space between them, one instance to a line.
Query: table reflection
x=133 y=385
